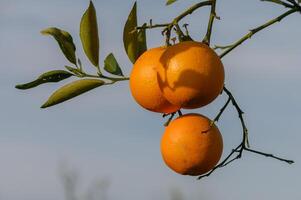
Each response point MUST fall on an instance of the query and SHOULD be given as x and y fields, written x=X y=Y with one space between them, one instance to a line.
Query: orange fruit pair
x=186 y=75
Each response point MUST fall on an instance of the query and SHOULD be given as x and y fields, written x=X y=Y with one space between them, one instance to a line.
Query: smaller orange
x=190 y=146
x=144 y=85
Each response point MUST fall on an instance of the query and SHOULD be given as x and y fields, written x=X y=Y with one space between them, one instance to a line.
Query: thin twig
x=293 y=2
x=191 y=10
x=233 y=159
x=218 y=115
x=150 y=26
x=222 y=110
x=257 y=29
x=287 y=5
x=239 y=151
x=240 y=115
x=269 y=155
x=220 y=164
x=169 y=26
x=221 y=47
x=210 y=23
x=169 y=119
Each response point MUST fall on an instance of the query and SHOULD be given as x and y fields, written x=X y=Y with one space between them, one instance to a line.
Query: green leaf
x=112 y=66
x=64 y=40
x=169 y=2
x=89 y=34
x=51 y=76
x=141 y=39
x=134 y=41
x=72 y=90
x=130 y=34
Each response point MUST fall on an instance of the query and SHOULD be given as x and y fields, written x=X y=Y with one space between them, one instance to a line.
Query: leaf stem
x=114 y=79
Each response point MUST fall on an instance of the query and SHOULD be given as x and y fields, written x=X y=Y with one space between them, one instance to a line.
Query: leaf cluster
x=134 y=42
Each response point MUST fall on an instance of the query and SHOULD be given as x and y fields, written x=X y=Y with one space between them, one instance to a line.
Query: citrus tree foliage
x=135 y=44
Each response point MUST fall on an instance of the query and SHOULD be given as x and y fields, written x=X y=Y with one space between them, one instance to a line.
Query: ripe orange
x=144 y=85
x=191 y=74
x=189 y=145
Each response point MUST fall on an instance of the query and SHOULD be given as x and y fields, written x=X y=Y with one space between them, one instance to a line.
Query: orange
x=191 y=74
x=189 y=145
x=144 y=85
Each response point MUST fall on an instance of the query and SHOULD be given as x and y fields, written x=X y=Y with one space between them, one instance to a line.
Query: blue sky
x=105 y=134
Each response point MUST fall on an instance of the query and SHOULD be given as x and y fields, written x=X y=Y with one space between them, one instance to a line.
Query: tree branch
x=279 y=2
x=237 y=152
x=257 y=29
x=174 y=23
x=220 y=164
x=240 y=115
x=222 y=110
x=151 y=26
x=191 y=10
x=270 y=155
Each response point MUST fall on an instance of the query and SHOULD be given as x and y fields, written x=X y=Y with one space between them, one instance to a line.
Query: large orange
x=144 y=85
x=190 y=146
x=192 y=74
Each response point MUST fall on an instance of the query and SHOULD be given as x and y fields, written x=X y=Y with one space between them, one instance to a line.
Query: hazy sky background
x=105 y=134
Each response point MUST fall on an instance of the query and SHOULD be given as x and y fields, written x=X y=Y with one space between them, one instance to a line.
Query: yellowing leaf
x=64 y=40
x=72 y=90
x=89 y=34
